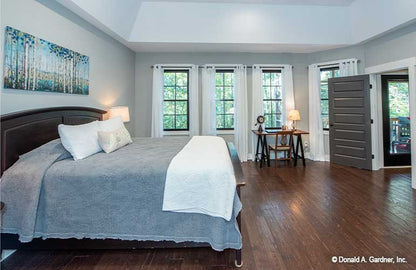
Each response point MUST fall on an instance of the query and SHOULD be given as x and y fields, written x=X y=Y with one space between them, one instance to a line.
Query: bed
x=78 y=211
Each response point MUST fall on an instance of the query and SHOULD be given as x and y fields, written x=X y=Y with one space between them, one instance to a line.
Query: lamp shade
x=122 y=111
x=294 y=115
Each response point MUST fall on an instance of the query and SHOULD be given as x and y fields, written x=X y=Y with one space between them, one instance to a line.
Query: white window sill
x=326 y=132
x=176 y=133
x=225 y=132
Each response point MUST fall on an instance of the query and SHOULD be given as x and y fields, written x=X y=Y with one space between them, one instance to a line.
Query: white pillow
x=113 y=140
x=80 y=140
x=111 y=124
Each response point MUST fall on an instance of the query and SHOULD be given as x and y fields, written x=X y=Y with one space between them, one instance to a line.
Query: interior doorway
x=396 y=120
x=375 y=72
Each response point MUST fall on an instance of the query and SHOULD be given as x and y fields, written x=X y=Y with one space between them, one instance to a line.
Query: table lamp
x=294 y=116
x=122 y=111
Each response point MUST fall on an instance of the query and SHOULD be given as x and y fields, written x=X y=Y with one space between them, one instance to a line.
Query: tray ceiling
x=292 y=26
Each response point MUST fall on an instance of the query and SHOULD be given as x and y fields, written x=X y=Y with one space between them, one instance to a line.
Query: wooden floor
x=294 y=218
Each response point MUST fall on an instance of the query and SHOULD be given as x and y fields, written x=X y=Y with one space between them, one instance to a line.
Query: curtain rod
x=223 y=67
x=335 y=63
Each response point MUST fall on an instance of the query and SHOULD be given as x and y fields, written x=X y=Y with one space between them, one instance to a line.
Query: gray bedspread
x=118 y=195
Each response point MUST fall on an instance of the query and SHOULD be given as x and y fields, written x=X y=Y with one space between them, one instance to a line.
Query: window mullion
x=223 y=97
x=174 y=117
x=222 y=86
x=174 y=107
x=324 y=83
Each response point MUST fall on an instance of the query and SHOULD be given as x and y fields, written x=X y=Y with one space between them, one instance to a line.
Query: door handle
x=331 y=125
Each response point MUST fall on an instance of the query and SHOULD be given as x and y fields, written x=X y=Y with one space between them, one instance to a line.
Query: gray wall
x=144 y=76
x=338 y=54
x=111 y=63
x=392 y=46
x=300 y=76
x=396 y=45
x=144 y=79
x=399 y=44
x=120 y=77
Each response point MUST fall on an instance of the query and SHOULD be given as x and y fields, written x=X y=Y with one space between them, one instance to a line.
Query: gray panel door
x=350 y=121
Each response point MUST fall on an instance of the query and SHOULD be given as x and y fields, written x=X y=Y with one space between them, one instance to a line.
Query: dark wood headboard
x=24 y=131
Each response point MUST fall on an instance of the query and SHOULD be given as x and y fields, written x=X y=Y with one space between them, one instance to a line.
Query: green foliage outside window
x=272 y=98
x=326 y=74
x=175 y=100
x=224 y=95
x=399 y=99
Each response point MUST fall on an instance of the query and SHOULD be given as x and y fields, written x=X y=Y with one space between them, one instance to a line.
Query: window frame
x=272 y=100
x=175 y=100
x=223 y=71
x=332 y=69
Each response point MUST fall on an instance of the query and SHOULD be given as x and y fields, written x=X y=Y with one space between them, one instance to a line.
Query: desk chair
x=284 y=144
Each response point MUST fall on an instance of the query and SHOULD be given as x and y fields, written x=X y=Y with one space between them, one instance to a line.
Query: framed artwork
x=34 y=64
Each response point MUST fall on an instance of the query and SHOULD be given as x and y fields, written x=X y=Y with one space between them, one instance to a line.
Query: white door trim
x=391 y=66
x=410 y=64
x=377 y=126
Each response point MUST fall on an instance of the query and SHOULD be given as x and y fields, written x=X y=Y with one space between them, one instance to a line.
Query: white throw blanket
x=200 y=179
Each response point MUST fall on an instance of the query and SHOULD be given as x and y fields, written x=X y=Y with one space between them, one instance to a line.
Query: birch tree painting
x=34 y=64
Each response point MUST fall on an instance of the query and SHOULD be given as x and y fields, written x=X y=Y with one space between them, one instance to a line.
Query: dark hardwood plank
x=294 y=218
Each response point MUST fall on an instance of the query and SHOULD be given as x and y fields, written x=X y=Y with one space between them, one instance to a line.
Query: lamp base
x=293 y=125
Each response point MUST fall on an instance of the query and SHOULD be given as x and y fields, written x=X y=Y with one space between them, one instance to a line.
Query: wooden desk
x=264 y=153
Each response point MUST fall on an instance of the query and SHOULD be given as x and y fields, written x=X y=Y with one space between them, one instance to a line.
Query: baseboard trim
x=397 y=167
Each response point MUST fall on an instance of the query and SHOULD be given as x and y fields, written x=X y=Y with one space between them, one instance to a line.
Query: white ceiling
x=274 y=2
x=292 y=26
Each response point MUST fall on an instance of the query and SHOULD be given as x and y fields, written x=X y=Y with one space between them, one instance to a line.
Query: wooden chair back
x=284 y=138
x=284 y=142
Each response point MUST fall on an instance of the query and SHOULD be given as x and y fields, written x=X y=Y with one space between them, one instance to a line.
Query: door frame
x=376 y=108
x=396 y=159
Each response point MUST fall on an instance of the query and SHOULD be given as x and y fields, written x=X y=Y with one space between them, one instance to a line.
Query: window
x=272 y=98
x=224 y=95
x=326 y=73
x=175 y=100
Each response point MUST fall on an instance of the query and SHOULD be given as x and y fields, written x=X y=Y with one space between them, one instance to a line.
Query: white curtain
x=257 y=99
x=316 y=137
x=256 y=103
x=209 y=116
x=157 y=102
x=193 y=101
x=287 y=92
x=240 y=112
x=348 y=67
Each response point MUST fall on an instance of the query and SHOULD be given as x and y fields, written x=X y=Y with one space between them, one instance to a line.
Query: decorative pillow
x=80 y=140
x=111 y=124
x=113 y=140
